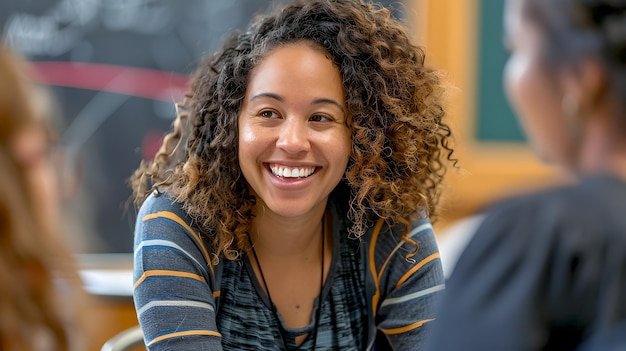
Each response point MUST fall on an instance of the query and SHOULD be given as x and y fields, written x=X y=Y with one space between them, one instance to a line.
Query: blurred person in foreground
x=40 y=293
x=547 y=271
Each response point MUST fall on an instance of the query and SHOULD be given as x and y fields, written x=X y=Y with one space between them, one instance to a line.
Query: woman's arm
x=174 y=282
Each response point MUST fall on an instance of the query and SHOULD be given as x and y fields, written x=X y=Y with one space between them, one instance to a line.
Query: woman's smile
x=283 y=171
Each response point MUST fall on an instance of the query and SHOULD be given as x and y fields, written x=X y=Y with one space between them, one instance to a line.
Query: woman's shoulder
x=596 y=201
x=405 y=258
x=386 y=234
x=162 y=219
x=162 y=211
x=583 y=218
x=396 y=245
x=158 y=202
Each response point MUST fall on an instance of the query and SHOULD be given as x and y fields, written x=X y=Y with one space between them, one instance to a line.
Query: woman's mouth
x=291 y=172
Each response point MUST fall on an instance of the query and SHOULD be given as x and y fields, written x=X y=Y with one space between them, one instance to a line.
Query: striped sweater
x=373 y=298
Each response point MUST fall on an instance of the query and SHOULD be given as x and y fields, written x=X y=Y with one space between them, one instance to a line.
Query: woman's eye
x=319 y=118
x=268 y=114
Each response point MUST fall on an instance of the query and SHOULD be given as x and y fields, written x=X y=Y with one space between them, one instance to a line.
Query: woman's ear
x=586 y=85
x=593 y=84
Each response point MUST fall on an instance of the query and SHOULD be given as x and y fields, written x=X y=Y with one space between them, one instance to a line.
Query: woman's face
x=531 y=88
x=294 y=143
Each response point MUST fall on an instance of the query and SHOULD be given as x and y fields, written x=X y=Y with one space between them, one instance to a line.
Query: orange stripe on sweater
x=165 y=273
x=184 y=333
x=375 y=275
x=406 y=328
x=421 y=264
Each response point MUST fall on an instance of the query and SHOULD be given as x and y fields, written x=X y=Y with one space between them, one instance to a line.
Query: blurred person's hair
x=40 y=292
x=590 y=29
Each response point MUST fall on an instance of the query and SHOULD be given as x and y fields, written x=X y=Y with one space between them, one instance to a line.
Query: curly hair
x=400 y=142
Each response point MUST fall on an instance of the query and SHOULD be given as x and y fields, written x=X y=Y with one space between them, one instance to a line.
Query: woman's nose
x=293 y=136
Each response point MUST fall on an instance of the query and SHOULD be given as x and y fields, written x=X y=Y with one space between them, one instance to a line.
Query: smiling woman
x=290 y=206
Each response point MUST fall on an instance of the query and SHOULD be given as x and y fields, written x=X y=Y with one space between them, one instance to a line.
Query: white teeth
x=287 y=172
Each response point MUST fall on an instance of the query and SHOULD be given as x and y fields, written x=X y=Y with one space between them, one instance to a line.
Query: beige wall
x=448 y=30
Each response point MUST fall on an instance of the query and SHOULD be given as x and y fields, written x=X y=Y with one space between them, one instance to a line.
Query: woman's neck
x=603 y=151
x=277 y=236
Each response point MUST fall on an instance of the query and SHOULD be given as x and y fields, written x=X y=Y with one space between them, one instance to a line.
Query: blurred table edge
x=107 y=275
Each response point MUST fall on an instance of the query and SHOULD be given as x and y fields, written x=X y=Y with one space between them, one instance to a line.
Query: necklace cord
x=318 y=313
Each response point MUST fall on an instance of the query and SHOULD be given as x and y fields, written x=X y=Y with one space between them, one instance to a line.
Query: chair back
x=125 y=340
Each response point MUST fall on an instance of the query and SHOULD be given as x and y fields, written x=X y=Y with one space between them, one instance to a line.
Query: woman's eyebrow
x=269 y=95
x=329 y=101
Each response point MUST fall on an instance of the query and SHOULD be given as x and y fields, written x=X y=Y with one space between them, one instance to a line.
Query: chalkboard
x=116 y=67
x=495 y=121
